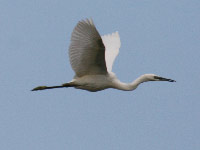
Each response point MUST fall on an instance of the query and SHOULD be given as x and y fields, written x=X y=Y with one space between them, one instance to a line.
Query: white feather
x=112 y=44
x=87 y=51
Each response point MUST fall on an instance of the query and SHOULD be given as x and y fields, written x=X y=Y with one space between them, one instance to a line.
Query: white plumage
x=92 y=57
x=112 y=44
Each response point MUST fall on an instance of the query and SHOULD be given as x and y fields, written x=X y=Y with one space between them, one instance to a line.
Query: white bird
x=92 y=56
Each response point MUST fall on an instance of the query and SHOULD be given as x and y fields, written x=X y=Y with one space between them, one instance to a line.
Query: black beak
x=163 y=79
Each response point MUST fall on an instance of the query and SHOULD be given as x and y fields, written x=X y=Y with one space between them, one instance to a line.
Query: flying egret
x=92 y=56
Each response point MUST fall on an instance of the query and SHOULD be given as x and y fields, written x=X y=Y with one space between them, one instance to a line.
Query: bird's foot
x=39 y=88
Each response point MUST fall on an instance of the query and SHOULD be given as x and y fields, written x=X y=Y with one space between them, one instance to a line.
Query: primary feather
x=87 y=51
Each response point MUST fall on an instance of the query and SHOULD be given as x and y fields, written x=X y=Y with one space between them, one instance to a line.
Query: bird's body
x=92 y=56
x=94 y=83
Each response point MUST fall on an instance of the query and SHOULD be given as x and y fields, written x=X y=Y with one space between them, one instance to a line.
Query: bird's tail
x=70 y=84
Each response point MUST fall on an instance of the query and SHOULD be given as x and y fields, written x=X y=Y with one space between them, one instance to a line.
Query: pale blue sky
x=159 y=36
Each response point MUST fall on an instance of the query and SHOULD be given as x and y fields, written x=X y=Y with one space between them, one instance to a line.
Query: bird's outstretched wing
x=87 y=51
x=112 y=44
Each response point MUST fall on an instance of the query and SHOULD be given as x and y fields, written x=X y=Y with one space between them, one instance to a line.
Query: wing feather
x=112 y=44
x=87 y=51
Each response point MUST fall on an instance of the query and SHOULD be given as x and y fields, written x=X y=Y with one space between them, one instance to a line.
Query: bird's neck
x=131 y=86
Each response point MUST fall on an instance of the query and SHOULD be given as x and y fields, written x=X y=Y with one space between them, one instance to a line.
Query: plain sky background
x=158 y=36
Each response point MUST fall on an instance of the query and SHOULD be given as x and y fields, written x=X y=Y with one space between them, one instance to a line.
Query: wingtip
x=117 y=32
x=87 y=20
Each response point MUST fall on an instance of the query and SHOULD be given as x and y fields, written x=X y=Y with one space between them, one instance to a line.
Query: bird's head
x=153 y=77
